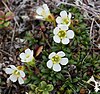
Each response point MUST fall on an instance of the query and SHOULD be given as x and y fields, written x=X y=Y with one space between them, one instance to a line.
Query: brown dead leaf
x=2 y=14
x=37 y=70
x=82 y=91
x=39 y=50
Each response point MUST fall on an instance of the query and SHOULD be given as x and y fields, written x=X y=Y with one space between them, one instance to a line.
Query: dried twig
x=10 y=11
x=12 y=39
x=5 y=52
x=97 y=24
x=6 y=6
x=91 y=28
x=94 y=12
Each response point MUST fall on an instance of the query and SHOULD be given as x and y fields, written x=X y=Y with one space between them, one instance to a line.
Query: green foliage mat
x=83 y=63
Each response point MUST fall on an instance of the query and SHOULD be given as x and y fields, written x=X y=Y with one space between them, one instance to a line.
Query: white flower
x=16 y=74
x=44 y=13
x=56 y=60
x=62 y=34
x=97 y=83
x=91 y=80
x=64 y=18
x=27 y=56
x=97 y=86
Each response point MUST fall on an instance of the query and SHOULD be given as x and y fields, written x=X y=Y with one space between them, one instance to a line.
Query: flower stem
x=30 y=71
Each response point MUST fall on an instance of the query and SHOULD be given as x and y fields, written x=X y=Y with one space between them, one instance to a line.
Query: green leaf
x=1 y=21
x=69 y=91
x=33 y=86
x=60 y=76
x=9 y=16
x=50 y=87
x=27 y=81
x=42 y=85
x=1 y=26
x=31 y=92
x=45 y=92
x=37 y=90
x=6 y=24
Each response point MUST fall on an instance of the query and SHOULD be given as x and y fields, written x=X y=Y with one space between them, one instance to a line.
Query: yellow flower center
x=28 y=55
x=43 y=13
x=62 y=34
x=56 y=59
x=65 y=20
x=17 y=73
x=20 y=68
x=50 y=18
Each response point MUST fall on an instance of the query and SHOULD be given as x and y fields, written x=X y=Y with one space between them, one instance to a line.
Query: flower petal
x=56 y=67
x=39 y=17
x=39 y=11
x=56 y=30
x=56 y=39
x=28 y=51
x=22 y=56
x=20 y=80
x=63 y=27
x=91 y=80
x=29 y=59
x=32 y=53
x=13 y=78
x=52 y=55
x=63 y=14
x=61 y=53
x=65 y=41
x=69 y=15
x=13 y=67
x=45 y=7
x=59 y=20
x=49 y=64
x=22 y=74
x=70 y=34
x=9 y=71
x=23 y=60
x=64 y=61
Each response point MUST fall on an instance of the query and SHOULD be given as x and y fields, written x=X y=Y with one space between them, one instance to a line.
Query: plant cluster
x=43 y=88
x=67 y=43
x=5 y=19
